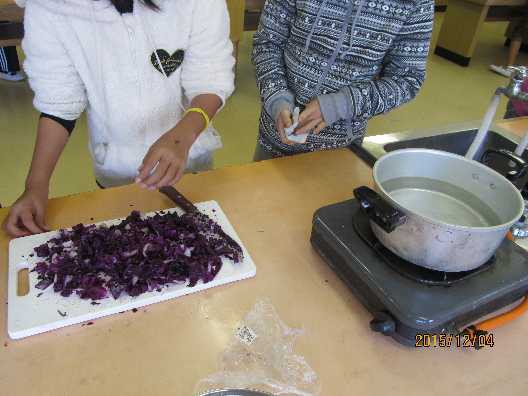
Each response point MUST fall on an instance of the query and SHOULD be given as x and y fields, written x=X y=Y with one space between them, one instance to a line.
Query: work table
x=168 y=347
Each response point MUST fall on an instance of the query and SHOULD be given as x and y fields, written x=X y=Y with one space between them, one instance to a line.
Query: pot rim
x=477 y=164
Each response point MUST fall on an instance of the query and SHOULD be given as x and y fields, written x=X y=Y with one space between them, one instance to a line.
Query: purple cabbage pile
x=134 y=257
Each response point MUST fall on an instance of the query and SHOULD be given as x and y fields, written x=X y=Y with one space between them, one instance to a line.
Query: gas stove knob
x=383 y=323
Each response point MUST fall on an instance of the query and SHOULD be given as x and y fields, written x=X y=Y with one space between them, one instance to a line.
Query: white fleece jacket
x=83 y=55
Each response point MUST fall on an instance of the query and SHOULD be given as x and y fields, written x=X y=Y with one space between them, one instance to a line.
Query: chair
x=252 y=14
x=11 y=26
x=236 y=14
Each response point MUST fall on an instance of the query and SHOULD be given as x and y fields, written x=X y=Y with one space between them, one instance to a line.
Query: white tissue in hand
x=290 y=132
x=298 y=138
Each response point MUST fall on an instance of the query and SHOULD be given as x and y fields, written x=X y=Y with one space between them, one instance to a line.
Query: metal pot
x=440 y=210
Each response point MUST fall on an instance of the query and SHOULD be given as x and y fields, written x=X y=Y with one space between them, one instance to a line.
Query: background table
x=462 y=22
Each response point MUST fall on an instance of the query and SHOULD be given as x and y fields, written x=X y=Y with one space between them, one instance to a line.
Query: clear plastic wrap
x=260 y=357
x=207 y=143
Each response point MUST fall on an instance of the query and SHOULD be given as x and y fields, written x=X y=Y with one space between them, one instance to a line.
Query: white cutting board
x=29 y=315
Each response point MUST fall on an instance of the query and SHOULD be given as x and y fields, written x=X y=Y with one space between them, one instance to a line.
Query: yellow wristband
x=202 y=112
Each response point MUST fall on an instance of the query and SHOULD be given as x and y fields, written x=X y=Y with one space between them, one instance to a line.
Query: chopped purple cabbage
x=135 y=256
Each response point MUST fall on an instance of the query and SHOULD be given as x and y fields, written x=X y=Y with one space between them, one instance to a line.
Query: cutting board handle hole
x=23 y=282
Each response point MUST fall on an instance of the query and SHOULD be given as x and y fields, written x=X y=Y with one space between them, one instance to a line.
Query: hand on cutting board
x=311 y=119
x=165 y=161
x=27 y=213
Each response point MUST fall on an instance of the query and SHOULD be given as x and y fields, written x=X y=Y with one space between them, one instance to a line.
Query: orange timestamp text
x=462 y=340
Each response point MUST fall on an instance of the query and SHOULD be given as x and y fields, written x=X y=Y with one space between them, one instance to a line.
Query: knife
x=179 y=199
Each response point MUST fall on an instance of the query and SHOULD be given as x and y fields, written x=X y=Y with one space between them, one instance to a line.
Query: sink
x=457 y=142
x=454 y=139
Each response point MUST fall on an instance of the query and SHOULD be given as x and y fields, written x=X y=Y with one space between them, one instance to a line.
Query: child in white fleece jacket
x=150 y=74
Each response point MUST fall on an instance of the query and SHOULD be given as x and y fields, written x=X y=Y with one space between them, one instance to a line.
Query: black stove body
x=407 y=300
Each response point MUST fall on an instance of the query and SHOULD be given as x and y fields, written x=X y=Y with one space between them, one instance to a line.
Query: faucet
x=514 y=89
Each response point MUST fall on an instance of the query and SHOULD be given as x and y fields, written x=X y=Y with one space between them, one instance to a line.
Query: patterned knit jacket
x=359 y=58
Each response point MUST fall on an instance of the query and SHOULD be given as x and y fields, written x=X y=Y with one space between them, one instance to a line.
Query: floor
x=451 y=94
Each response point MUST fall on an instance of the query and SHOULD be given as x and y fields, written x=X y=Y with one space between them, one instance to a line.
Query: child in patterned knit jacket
x=342 y=62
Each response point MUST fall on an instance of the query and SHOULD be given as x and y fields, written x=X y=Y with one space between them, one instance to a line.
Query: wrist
x=335 y=106
x=185 y=133
x=37 y=178
x=279 y=102
x=196 y=123
x=39 y=186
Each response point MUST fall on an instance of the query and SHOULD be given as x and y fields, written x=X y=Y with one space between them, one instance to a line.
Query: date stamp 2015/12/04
x=463 y=340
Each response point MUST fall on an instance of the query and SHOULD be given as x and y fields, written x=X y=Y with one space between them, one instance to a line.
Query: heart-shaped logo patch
x=169 y=63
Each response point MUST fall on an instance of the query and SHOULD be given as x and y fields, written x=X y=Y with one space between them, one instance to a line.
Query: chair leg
x=235 y=54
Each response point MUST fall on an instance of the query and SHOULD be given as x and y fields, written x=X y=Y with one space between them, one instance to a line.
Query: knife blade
x=178 y=198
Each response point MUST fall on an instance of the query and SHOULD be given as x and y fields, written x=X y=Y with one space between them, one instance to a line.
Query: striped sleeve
x=268 y=52
x=403 y=73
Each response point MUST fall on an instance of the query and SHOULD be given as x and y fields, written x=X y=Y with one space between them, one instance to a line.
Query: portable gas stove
x=405 y=299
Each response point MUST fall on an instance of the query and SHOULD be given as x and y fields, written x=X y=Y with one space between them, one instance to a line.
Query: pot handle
x=512 y=173
x=378 y=210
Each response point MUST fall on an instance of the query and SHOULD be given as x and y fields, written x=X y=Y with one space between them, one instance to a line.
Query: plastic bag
x=260 y=357
x=208 y=142
x=201 y=152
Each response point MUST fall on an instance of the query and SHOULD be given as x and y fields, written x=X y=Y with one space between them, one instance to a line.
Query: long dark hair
x=127 y=4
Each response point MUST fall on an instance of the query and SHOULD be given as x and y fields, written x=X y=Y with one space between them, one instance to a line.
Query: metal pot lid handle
x=378 y=210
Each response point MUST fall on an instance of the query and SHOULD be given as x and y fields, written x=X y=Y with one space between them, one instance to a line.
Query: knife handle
x=179 y=199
